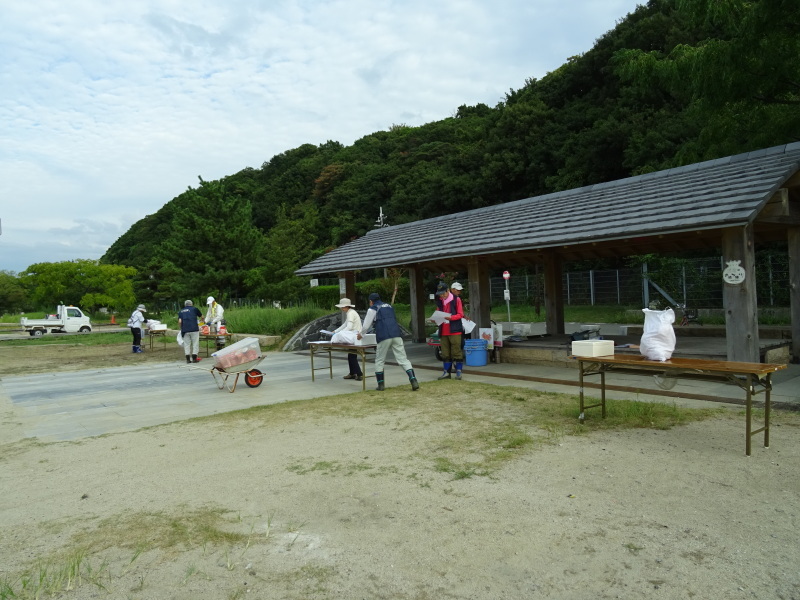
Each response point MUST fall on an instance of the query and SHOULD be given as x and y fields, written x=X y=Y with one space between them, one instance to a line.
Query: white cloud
x=110 y=108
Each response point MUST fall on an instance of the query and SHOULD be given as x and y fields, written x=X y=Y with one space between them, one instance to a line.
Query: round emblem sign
x=506 y=275
x=734 y=272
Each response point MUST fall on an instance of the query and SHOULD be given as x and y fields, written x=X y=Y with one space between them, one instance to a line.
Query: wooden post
x=739 y=294
x=347 y=286
x=553 y=294
x=793 y=235
x=418 y=300
x=480 y=308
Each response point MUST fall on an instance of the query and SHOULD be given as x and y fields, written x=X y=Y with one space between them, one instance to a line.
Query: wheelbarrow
x=252 y=376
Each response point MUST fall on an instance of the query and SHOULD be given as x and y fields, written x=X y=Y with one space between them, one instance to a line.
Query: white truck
x=68 y=319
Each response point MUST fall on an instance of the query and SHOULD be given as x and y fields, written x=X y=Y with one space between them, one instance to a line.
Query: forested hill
x=675 y=82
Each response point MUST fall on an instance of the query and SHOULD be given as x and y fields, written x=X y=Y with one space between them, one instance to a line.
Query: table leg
x=363 y=354
x=581 y=416
x=330 y=362
x=767 y=408
x=603 y=390
x=311 y=349
x=748 y=427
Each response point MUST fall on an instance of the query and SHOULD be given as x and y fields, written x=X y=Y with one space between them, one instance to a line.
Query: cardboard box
x=593 y=348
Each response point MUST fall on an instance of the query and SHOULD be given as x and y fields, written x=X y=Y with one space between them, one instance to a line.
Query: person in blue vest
x=451 y=332
x=190 y=330
x=388 y=335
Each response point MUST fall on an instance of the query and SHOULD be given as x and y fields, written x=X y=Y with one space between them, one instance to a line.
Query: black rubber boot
x=413 y=379
x=379 y=377
x=194 y=358
x=188 y=359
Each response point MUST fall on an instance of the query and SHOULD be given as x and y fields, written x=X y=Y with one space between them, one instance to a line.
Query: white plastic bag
x=179 y=338
x=344 y=337
x=658 y=337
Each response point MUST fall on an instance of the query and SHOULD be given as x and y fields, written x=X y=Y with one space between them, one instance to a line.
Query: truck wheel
x=84 y=329
x=37 y=333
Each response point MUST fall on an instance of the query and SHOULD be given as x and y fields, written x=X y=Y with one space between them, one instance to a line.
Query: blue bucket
x=476 y=354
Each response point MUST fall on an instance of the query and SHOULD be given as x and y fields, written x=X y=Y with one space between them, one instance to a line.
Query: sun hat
x=344 y=302
x=141 y=308
x=188 y=303
x=456 y=286
x=209 y=300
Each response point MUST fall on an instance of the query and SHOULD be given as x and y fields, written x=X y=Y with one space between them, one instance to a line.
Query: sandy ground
x=348 y=498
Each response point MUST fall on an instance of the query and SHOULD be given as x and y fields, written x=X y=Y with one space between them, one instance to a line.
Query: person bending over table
x=347 y=334
x=388 y=335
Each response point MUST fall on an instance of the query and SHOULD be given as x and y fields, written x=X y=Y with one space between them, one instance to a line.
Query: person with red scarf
x=451 y=331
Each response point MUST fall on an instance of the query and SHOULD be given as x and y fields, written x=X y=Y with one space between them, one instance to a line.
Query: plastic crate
x=243 y=351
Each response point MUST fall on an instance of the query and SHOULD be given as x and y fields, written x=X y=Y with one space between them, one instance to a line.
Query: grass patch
x=76 y=339
x=83 y=563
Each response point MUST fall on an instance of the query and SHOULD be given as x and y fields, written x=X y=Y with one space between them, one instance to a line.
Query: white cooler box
x=367 y=339
x=593 y=348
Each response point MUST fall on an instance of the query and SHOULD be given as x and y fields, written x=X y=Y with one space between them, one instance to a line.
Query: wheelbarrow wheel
x=438 y=351
x=253 y=378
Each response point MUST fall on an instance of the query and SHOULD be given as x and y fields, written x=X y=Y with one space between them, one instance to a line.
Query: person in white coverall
x=214 y=319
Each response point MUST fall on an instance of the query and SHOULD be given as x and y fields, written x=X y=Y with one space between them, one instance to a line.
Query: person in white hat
x=135 y=322
x=347 y=334
x=214 y=316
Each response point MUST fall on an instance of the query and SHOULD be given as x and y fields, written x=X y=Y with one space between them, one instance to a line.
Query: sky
x=110 y=109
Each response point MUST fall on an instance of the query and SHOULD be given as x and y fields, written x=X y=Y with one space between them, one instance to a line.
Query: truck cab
x=68 y=319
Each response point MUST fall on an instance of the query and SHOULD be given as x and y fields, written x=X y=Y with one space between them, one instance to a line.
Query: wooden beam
x=793 y=239
x=418 y=301
x=553 y=294
x=739 y=294
x=480 y=307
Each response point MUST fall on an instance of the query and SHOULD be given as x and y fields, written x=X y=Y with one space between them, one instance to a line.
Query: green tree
x=13 y=296
x=84 y=283
x=742 y=76
x=214 y=247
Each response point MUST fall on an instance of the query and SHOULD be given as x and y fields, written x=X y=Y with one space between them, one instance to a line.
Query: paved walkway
x=72 y=405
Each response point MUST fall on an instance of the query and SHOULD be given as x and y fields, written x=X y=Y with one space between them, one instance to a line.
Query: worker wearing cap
x=190 y=330
x=389 y=336
x=214 y=318
x=452 y=330
x=135 y=322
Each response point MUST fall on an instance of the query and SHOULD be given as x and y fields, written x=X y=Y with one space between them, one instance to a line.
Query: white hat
x=344 y=302
x=141 y=308
x=209 y=300
x=456 y=286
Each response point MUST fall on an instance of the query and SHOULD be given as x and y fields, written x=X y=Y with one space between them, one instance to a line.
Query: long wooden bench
x=753 y=378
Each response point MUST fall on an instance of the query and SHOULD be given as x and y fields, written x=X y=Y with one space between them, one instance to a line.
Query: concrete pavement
x=71 y=405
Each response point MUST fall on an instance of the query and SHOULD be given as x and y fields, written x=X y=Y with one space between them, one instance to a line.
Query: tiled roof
x=714 y=194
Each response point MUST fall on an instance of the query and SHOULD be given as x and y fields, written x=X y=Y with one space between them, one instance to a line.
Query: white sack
x=179 y=339
x=345 y=337
x=658 y=337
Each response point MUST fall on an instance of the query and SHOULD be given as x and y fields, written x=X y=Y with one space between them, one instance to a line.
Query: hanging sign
x=734 y=273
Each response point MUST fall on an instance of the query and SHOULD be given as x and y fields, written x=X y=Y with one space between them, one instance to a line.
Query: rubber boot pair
x=413 y=379
x=137 y=350
x=379 y=377
x=446 y=374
